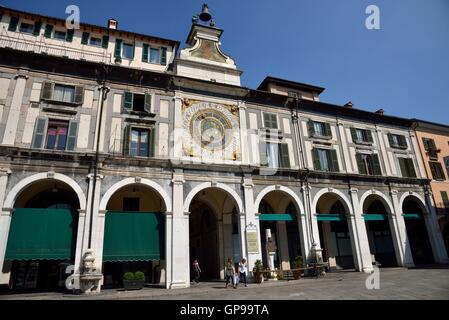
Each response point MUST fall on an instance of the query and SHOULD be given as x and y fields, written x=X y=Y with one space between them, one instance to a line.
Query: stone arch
x=387 y=202
x=130 y=181
x=416 y=196
x=208 y=185
x=283 y=189
x=340 y=195
x=23 y=184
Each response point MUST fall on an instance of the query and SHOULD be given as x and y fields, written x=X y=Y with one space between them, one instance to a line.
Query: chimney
x=380 y=111
x=112 y=24
x=349 y=105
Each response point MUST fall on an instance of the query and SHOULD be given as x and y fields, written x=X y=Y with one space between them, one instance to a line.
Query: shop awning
x=412 y=216
x=375 y=217
x=278 y=217
x=134 y=236
x=42 y=234
x=330 y=217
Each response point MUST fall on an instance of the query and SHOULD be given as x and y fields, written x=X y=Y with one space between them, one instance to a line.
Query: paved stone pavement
x=395 y=284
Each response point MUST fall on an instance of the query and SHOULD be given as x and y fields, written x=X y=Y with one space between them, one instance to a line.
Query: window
x=445 y=199
x=325 y=160
x=155 y=56
x=137 y=102
x=131 y=204
x=431 y=148
x=270 y=120
x=57 y=135
x=274 y=155
x=64 y=93
x=362 y=136
x=293 y=94
x=60 y=35
x=397 y=141
x=139 y=142
x=128 y=51
x=320 y=129
x=369 y=164
x=407 y=168
x=95 y=42
x=446 y=163
x=437 y=171
x=26 y=28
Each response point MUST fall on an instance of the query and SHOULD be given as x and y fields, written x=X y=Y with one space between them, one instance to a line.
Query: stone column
x=5 y=222
x=434 y=231
x=251 y=219
x=281 y=229
x=359 y=236
x=98 y=223
x=399 y=233
x=311 y=234
x=228 y=244
x=168 y=249
x=180 y=251
x=243 y=133
x=178 y=130
x=221 y=251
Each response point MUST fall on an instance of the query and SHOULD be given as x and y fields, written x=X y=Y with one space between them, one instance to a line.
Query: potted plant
x=258 y=271
x=297 y=264
x=134 y=281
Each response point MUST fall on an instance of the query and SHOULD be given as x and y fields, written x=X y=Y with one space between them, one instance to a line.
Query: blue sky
x=402 y=68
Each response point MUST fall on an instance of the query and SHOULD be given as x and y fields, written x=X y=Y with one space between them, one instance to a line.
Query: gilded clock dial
x=210 y=128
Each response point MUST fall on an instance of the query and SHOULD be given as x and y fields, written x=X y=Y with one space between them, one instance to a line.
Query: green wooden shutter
x=47 y=91
x=411 y=168
x=432 y=144
x=403 y=142
x=403 y=166
x=105 y=42
x=263 y=154
x=163 y=56
x=284 y=156
x=328 y=131
x=69 y=36
x=85 y=38
x=126 y=140
x=13 y=23
x=390 y=139
x=316 y=160
x=72 y=135
x=354 y=135
x=361 y=164
x=376 y=165
x=145 y=52
x=39 y=133
x=118 y=50
x=334 y=158
x=128 y=99
x=37 y=28
x=426 y=144
x=79 y=95
x=148 y=102
x=369 y=136
x=311 y=126
x=152 y=146
x=439 y=171
x=433 y=170
x=48 y=30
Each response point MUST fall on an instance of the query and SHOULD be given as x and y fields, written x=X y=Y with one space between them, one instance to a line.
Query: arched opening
x=134 y=236
x=42 y=237
x=379 y=232
x=213 y=232
x=418 y=237
x=279 y=215
x=334 y=232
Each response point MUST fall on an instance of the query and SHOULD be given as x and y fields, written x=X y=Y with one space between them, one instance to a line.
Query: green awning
x=375 y=217
x=412 y=216
x=42 y=234
x=134 y=236
x=330 y=217
x=278 y=217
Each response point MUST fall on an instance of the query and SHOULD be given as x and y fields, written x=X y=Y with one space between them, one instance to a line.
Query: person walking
x=196 y=271
x=230 y=273
x=243 y=272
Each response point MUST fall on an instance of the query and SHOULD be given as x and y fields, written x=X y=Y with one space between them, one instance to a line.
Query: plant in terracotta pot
x=134 y=281
x=258 y=271
x=298 y=263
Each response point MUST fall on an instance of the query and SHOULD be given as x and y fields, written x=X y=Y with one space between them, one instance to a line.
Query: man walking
x=196 y=271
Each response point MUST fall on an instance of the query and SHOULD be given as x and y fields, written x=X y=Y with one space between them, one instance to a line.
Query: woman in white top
x=243 y=271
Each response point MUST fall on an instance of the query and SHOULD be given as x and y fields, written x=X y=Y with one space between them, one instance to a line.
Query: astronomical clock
x=211 y=131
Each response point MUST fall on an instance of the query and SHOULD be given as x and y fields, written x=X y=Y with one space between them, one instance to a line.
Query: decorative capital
x=18 y=76
x=5 y=172
x=394 y=192
x=353 y=190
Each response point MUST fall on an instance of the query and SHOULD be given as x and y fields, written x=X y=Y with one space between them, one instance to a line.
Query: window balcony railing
x=39 y=45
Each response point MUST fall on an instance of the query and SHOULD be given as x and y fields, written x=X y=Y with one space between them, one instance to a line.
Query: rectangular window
x=140 y=143
x=407 y=168
x=446 y=163
x=275 y=155
x=137 y=102
x=97 y=42
x=431 y=148
x=270 y=120
x=362 y=136
x=128 y=51
x=369 y=164
x=445 y=199
x=437 y=171
x=60 y=35
x=397 y=141
x=325 y=160
x=57 y=135
x=64 y=93
x=320 y=130
x=26 y=28
x=131 y=204
x=155 y=56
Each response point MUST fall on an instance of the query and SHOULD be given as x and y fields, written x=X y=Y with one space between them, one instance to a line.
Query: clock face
x=210 y=128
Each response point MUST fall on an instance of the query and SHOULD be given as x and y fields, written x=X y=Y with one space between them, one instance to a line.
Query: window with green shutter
x=126 y=140
x=369 y=164
x=40 y=129
x=437 y=171
x=47 y=91
x=105 y=42
x=69 y=36
x=377 y=168
x=407 y=168
x=13 y=23
x=118 y=50
x=263 y=154
x=48 y=31
x=37 y=28
x=72 y=135
x=362 y=136
x=319 y=130
x=361 y=163
x=128 y=100
x=137 y=102
x=85 y=38
x=335 y=166
x=431 y=148
x=397 y=141
x=284 y=156
x=148 y=102
x=316 y=160
x=270 y=120
x=163 y=56
x=145 y=52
